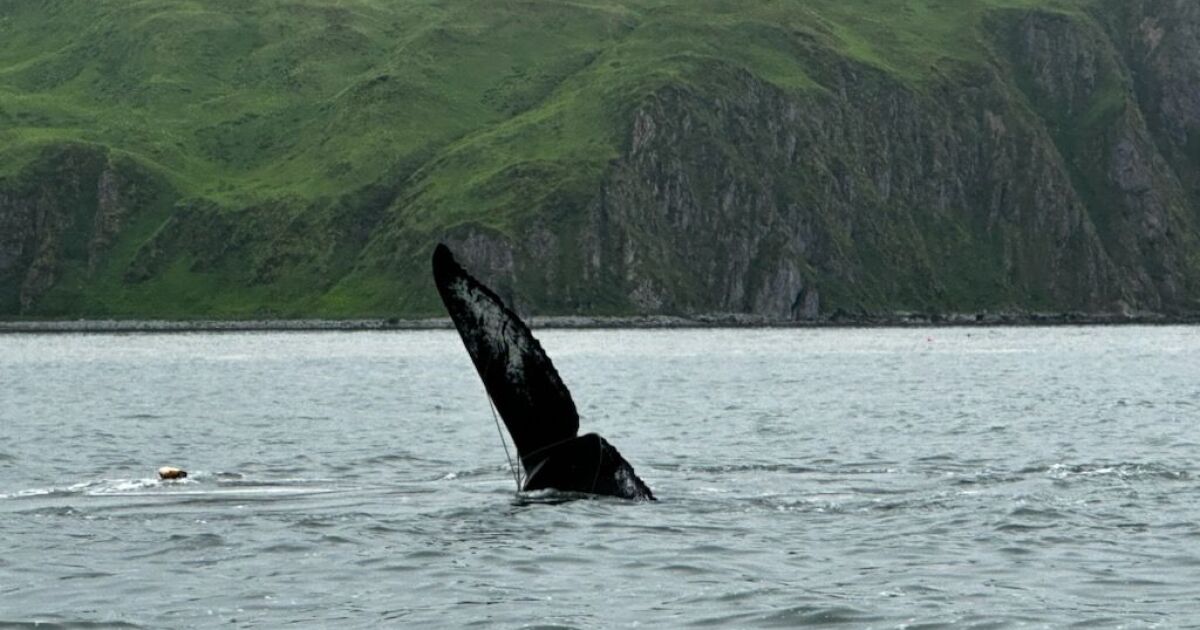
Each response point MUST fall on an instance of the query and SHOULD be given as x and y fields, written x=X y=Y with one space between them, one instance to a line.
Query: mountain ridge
x=616 y=158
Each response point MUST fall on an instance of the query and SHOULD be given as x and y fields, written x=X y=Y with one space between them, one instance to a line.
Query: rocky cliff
x=1053 y=165
x=59 y=220
x=1060 y=176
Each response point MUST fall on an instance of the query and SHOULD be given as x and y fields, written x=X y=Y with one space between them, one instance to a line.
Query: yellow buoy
x=170 y=472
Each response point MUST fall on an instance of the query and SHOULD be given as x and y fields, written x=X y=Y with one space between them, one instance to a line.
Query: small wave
x=740 y=468
x=1046 y=514
x=472 y=473
x=94 y=487
x=550 y=496
x=285 y=548
x=128 y=486
x=241 y=481
x=387 y=458
x=1128 y=471
x=240 y=493
x=982 y=478
x=1028 y=518
x=56 y=510
x=816 y=616
x=86 y=575
x=55 y=622
x=820 y=502
x=32 y=492
x=205 y=540
x=196 y=484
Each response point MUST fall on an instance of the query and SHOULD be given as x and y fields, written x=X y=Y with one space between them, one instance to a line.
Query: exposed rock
x=939 y=200
x=64 y=211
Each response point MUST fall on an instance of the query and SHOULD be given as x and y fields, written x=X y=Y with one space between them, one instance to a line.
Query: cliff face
x=1161 y=42
x=1048 y=179
x=1133 y=193
x=1055 y=168
x=869 y=194
x=62 y=214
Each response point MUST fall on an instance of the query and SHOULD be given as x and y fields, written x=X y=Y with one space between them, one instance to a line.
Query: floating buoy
x=170 y=472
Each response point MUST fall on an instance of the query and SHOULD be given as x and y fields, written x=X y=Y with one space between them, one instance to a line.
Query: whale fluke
x=528 y=394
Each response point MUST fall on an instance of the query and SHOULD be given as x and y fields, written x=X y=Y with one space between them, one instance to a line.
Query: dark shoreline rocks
x=719 y=320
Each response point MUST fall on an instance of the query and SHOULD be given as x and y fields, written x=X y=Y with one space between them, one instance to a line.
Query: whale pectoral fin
x=522 y=382
x=587 y=464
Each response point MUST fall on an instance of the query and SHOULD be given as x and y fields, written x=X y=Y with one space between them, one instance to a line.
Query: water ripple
x=1004 y=478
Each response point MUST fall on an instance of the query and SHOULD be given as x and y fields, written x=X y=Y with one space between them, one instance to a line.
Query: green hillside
x=284 y=158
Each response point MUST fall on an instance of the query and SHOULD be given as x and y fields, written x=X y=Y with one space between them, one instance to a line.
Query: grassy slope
x=477 y=110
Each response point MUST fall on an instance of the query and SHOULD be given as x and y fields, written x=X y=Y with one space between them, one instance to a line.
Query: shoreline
x=572 y=322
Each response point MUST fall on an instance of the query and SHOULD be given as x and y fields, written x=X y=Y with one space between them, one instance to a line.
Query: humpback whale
x=527 y=392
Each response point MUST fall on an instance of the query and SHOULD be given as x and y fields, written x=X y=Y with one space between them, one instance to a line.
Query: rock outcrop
x=62 y=215
x=1061 y=177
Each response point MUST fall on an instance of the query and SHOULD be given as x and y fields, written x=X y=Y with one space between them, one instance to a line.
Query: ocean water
x=964 y=478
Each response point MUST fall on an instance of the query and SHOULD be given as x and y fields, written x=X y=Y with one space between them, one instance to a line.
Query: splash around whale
x=527 y=392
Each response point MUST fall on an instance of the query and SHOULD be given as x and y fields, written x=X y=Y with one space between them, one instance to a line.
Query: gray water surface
x=868 y=478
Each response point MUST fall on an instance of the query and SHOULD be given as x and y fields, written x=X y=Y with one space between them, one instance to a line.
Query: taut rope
x=513 y=468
